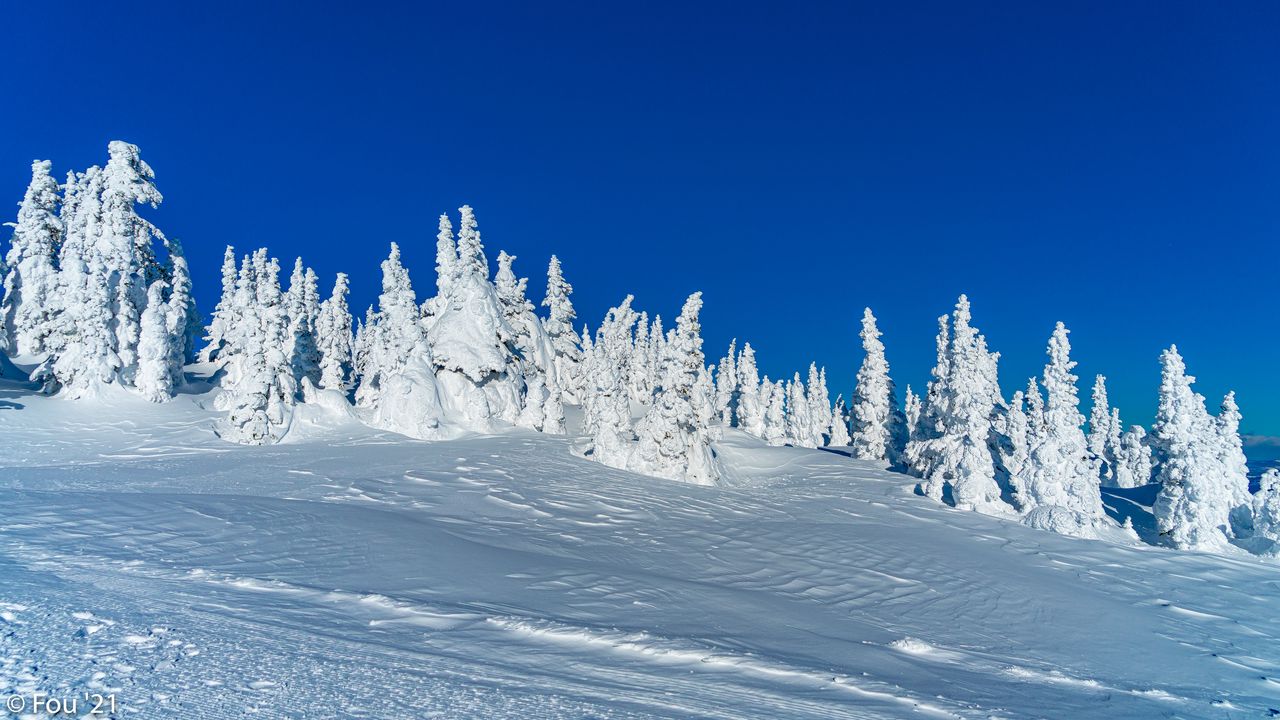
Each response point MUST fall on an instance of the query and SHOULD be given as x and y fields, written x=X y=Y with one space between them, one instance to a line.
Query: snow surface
x=350 y=572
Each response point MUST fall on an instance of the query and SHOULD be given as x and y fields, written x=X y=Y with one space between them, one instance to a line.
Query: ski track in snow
x=350 y=573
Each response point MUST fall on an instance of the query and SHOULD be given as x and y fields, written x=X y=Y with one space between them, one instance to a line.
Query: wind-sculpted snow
x=349 y=572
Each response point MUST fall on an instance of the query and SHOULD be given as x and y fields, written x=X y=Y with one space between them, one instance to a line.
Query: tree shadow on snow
x=1134 y=504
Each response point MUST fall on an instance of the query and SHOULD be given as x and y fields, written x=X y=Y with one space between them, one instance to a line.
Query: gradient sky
x=1115 y=166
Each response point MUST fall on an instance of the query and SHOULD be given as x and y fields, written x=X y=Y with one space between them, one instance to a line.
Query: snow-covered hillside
x=350 y=572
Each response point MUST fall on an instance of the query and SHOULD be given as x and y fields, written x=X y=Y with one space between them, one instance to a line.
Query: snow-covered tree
x=333 y=335
x=751 y=410
x=30 y=279
x=727 y=384
x=1015 y=450
x=473 y=349
x=1198 y=490
x=1266 y=507
x=124 y=243
x=1104 y=433
x=184 y=318
x=1064 y=474
x=155 y=378
x=799 y=421
x=672 y=443
x=535 y=348
x=259 y=389
x=606 y=410
x=640 y=377
x=838 y=427
x=951 y=447
x=1133 y=466
x=218 y=322
x=774 y=425
x=559 y=327
x=1235 y=470
x=302 y=309
x=911 y=413
x=879 y=431
x=819 y=405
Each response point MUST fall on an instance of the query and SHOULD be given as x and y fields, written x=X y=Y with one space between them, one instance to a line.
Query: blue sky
x=1111 y=165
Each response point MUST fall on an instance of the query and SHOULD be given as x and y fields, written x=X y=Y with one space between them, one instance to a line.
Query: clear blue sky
x=1115 y=166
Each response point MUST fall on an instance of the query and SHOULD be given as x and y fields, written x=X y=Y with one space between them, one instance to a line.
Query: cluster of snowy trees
x=95 y=295
x=472 y=357
x=93 y=290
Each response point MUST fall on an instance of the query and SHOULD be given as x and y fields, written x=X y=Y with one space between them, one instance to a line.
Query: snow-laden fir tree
x=259 y=390
x=657 y=350
x=1104 y=433
x=184 y=319
x=473 y=348
x=1063 y=485
x=774 y=425
x=559 y=327
x=751 y=410
x=911 y=413
x=1235 y=470
x=542 y=407
x=640 y=378
x=302 y=308
x=1134 y=465
x=705 y=412
x=799 y=420
x=672 y=443
x=218 y=322
x=951 y=448
x=727 y=385
x=124 y=243
x=31 y=279
x=1266 y=508
x=605 y=404
x=155 y=351
x=879 y=431
x=1015 y=450
x=1198 y=490
x=397 y=380
x=333 y=335
x=819 y=405
x=446 y=258
x=838 y=427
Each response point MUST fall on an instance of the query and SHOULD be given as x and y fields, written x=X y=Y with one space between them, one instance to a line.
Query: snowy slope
x=355 y=573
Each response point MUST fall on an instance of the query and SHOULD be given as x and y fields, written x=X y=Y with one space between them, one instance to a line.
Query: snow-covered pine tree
x=333 y=335
x=1235 y=470
x=1133 y=467
x=1266 y=507
x=124 y=245
x=155 y=378
x=397 y=379
x=911 y=413
x=799 y=422
x=31 y=279
x=302 y=309
x=1193 y=509
x=218 y=322
x=773 y=395
x=259 y=388
x=606 y=409
x=559 y=327
x=672 y=443
x=1016 y=449
x=473 y=348
x=446 y=256
x=1064 y=478
x=182 y=320
x=838 y=428
x=536 y=350
x=750 y=410
x=819 y=405
x=879 y=428
x=1100 y=429
x=640 y=380
x=951 y=447
x=727 y=385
